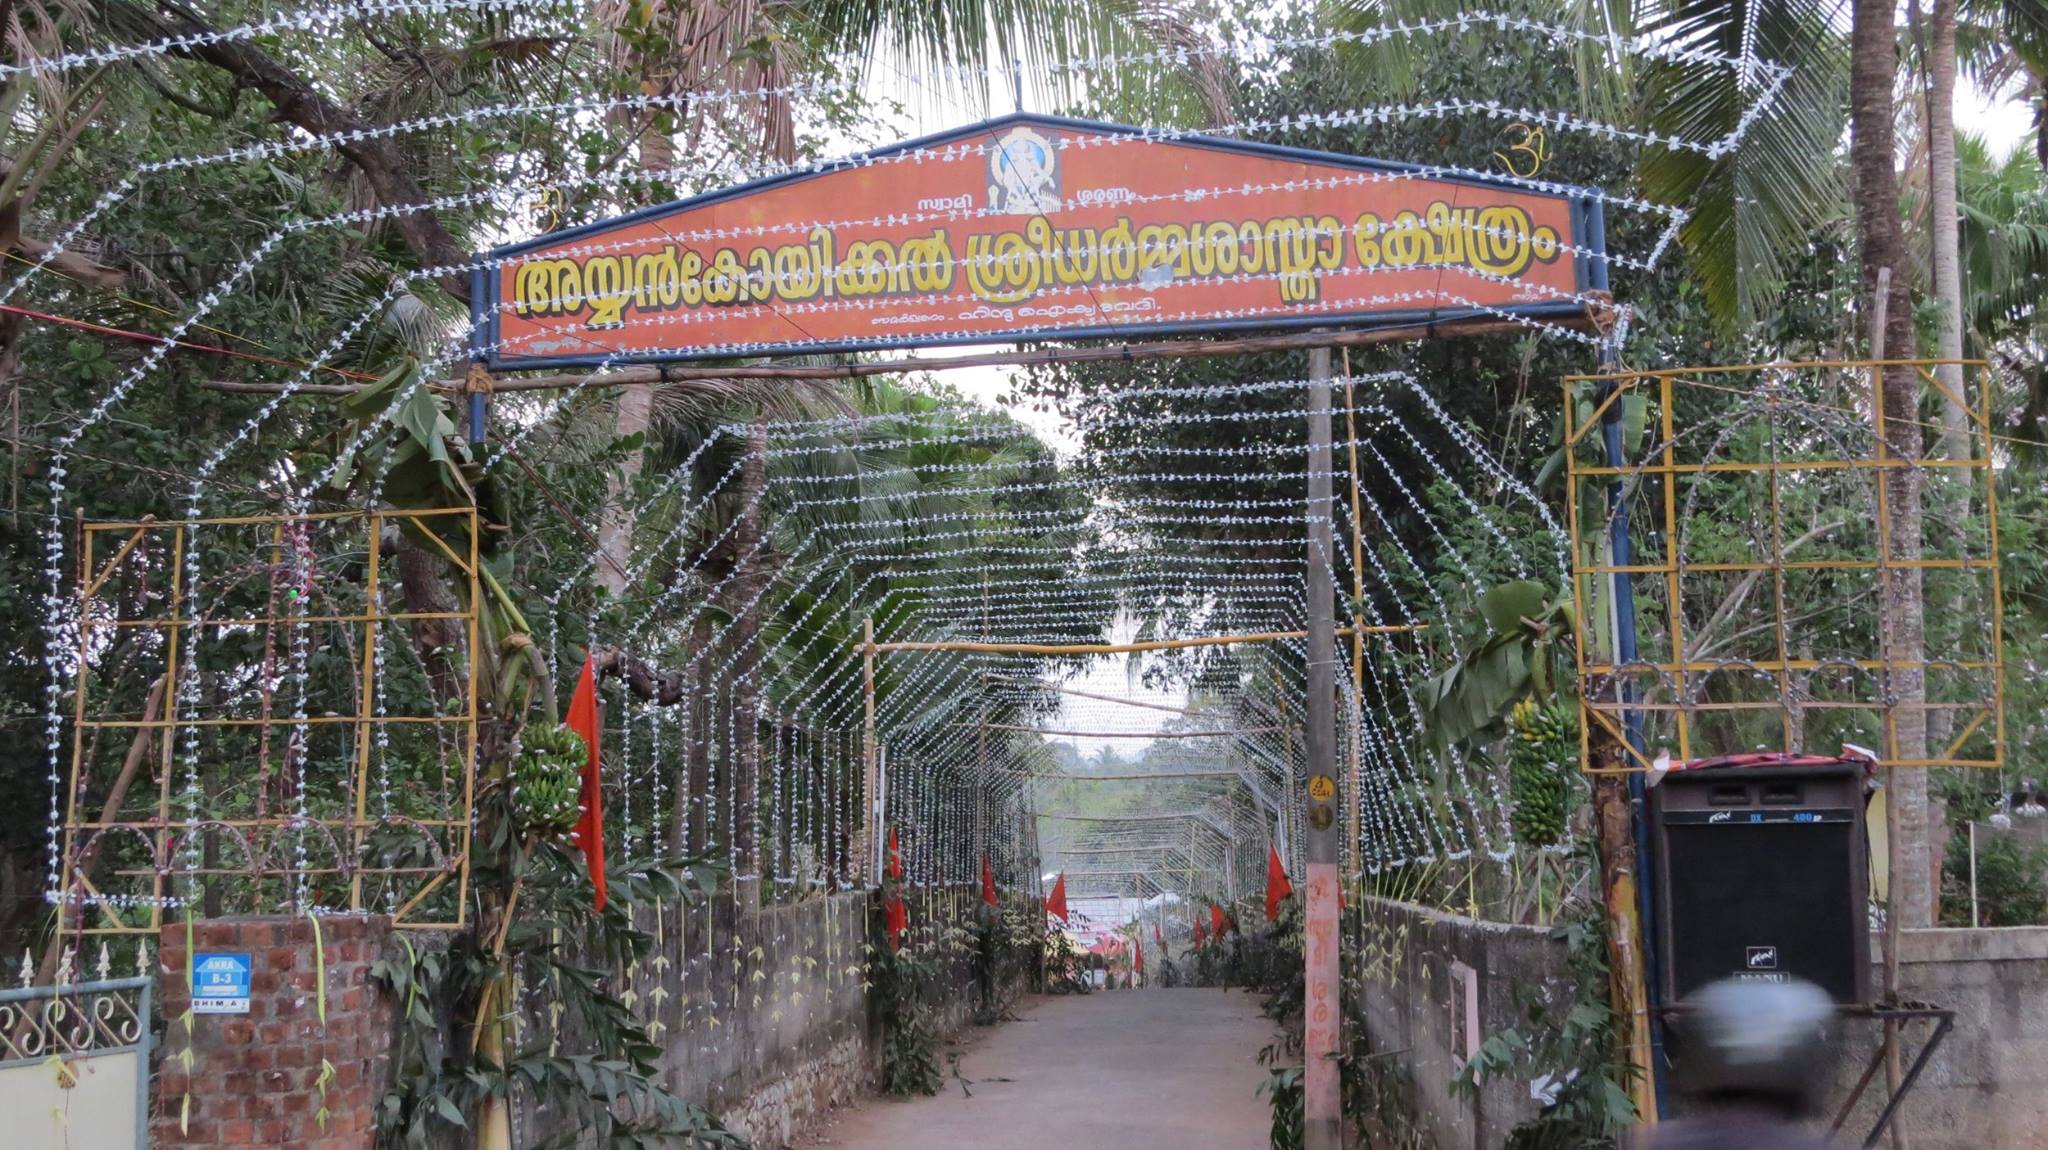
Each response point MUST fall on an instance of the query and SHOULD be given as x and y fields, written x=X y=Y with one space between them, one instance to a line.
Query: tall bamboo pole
x=868 y=793
x=1356 y=842
x=981 y=747
x=1119 y=648
x=366 y=710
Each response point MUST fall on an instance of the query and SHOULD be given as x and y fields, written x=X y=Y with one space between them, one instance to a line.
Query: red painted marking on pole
x=1321 y=1085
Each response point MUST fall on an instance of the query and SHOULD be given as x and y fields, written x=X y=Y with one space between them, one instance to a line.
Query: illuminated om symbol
x=553 y=203
x=1528 y=153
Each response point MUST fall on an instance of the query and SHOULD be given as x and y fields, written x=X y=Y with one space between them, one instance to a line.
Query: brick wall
x=252 y=1076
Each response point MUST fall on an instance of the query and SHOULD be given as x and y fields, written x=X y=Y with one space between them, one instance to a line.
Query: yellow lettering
x=607 y=290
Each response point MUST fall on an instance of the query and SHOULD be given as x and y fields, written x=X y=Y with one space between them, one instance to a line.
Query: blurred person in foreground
x=1753 y=1063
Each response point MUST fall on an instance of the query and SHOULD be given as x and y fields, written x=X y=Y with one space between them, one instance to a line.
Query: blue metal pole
x=1620 y=553
x=481 y=318
x=1595 y=243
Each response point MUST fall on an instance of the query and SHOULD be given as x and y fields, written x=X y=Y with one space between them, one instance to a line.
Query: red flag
x=1199 y=936
x=1217 y=919
x=1056 y=902
x=988 y=883
x=897 y=922
x=589 y=832
x=1158 y=934
x=1138 y=956
x=896 y=918
x=1277 y=887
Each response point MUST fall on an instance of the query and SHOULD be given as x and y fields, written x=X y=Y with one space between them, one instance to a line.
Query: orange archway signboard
x=1035 y=227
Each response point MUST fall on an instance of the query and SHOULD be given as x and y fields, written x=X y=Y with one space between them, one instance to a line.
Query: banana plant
x=1521 y=654
x=531 y=886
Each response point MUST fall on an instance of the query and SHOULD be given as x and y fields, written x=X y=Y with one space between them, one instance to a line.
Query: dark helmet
x=1762 y=1043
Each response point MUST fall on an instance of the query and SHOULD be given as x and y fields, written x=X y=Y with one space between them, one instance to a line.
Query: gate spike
x=105 y=969
x=28 y=970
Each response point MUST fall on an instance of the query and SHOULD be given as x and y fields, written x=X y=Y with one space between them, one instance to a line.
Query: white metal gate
x=74 y=1065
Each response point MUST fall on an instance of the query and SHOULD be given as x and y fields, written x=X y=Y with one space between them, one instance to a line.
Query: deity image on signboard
x=1024 y=174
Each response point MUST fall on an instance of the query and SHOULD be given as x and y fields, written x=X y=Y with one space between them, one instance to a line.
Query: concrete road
x=1117 y=1070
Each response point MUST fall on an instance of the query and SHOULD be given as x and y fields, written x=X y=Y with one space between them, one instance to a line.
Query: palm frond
x=1754 y=206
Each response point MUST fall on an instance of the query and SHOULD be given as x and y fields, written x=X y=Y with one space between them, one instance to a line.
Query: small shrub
x=1283 y=1086
x=2012 y=881
x=910 y=1059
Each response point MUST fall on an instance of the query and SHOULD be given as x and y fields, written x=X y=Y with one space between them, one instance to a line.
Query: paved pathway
x=1118 y=1070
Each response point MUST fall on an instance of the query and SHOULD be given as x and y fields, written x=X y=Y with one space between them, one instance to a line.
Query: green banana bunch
x=547 y=778
x=1541 y=740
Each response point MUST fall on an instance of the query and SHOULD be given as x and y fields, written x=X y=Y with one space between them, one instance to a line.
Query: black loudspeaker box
x=1762 y=873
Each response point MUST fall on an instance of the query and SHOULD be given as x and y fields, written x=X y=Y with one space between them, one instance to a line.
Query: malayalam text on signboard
x=1035 y=227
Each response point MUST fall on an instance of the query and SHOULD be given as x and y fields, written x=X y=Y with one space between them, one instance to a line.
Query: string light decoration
x=302 y=818
x=953 y=526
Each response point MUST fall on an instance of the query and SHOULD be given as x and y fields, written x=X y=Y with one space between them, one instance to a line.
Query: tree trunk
x=423 y=588
x=636 y=404
x=303 y=104
x=1873 y=64
x=1944 y=226
x=1953 y=504
x=615 y=529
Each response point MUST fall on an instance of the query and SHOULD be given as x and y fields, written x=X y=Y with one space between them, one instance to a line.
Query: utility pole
x=1322 y=1087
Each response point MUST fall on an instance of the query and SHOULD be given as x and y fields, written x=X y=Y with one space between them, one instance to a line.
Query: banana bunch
x=548 y=778
x=1540 y=744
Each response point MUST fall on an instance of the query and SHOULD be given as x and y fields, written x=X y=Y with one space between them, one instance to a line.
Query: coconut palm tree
x=1750 y=208
x=1874 y=63
x=2004 y=253
x=2003 y=46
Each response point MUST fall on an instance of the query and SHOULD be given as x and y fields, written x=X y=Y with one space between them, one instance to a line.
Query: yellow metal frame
x=1972 y=716
x=347 y=833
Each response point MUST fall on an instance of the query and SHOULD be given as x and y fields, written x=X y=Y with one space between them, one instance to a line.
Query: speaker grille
x=1762 y=873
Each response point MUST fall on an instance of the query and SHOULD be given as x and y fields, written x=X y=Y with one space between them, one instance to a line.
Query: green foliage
x=1527 y=642
x=612 y=1097
x=1273 y=966
x=991 y=950
x=2012 y=881
x=900 y=984
x=1569 y=1044
x=1282 y=1086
